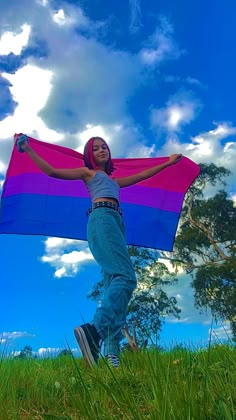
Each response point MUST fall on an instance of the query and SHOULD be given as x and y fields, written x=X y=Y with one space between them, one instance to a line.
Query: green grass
x=178 y=384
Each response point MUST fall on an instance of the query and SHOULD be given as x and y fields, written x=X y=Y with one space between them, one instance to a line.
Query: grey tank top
x=103 y=186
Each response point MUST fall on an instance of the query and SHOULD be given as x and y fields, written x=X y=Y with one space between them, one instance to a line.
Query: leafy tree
x=65 y=352
x=25 y=353
x=206 y=244
x=150 y=304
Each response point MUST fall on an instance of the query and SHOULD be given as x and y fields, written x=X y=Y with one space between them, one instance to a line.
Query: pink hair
x=89 y=160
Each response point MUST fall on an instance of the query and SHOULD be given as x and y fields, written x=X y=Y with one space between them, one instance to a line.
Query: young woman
x=106 y=239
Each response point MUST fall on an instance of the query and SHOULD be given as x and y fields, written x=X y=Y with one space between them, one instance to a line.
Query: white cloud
x=76 y=257
x=77 y=65
x=61 y=95
x=221 y=333
x=14 y=335
x=30 y=88
x=50 y=259
x=60 y=18
x=141 y=150
x=48 y=351
x=89 y=132
x=208 y=147
x=228 y=146
x=61 y=255
x=78 y=97
x=71 y=16
x=35 y=97
x=183 y=80
x=58 y=243
x=233 y=197
x=51 y=351
x=60 y=272
x=124 y=139
x=180 y=110
x=44 y=352
x=193 y=81
x=2 y=167
x=32 y=85
x=43 y=3
x=161 y=45
x=14 y=42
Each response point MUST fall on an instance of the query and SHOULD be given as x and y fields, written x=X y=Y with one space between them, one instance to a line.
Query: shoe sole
x=84 y=346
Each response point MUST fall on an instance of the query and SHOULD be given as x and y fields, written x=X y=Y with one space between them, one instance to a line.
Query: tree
x=150 y=304
x=65 y=352
x=25 y=353
x=206 y=245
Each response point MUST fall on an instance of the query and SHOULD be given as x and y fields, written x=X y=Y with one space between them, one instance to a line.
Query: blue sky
x=153 y=78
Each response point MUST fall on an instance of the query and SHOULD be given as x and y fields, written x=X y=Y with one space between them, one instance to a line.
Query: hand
x=24 y=145
x=175 y=158
x=21 y=142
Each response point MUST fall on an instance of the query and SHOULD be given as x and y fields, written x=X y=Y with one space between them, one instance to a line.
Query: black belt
x=108 y=204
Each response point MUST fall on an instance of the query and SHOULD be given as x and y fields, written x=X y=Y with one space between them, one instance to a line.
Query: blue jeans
x=106 y=239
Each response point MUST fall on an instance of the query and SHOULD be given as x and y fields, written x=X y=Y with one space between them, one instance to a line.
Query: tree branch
x=200 y=226
x=209 y=263
x=130 y=338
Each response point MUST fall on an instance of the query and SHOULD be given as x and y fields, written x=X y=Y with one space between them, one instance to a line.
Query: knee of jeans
x=127 y=281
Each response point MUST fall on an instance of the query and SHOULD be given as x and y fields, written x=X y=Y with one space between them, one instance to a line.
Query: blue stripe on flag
x=32 y=214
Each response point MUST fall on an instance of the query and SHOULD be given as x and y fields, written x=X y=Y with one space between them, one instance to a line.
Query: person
x=106 y=239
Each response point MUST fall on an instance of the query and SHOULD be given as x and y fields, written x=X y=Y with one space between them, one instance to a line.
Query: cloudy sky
x=153 y=78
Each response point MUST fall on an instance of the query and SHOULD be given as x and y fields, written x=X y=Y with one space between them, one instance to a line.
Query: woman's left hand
x=21 y=142
x=175 y=158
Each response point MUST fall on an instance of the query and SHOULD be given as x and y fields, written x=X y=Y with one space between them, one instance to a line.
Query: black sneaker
x=113 y=360
x=89 y=342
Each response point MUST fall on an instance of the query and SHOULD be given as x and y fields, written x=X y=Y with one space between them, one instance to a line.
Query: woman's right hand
x=175 y=158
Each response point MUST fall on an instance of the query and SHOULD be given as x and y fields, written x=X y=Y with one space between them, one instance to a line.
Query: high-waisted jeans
x=106 y=239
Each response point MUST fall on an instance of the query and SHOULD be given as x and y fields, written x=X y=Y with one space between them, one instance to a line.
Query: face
x=100 y=152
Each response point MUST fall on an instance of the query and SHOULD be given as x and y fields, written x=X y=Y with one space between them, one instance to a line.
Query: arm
x=70 y=174
x=147 y=173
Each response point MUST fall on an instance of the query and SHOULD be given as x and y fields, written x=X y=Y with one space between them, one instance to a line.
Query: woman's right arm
x=78 y=173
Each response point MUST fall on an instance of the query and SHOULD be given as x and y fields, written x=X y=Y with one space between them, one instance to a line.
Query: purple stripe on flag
x=153 y=197
x=42 y=184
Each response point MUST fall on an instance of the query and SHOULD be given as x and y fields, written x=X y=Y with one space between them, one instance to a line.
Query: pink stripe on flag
x=175 y=178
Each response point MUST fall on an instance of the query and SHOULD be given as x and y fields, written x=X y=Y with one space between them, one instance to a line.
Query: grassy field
x=178 y=384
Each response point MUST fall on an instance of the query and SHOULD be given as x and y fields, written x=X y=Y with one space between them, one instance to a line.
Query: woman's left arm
x=147 y=173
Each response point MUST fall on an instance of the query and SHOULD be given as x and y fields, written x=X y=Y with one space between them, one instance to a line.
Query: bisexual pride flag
x=33 y=203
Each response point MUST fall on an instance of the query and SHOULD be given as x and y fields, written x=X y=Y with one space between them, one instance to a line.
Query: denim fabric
x=106 y=239
x=112 y=342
